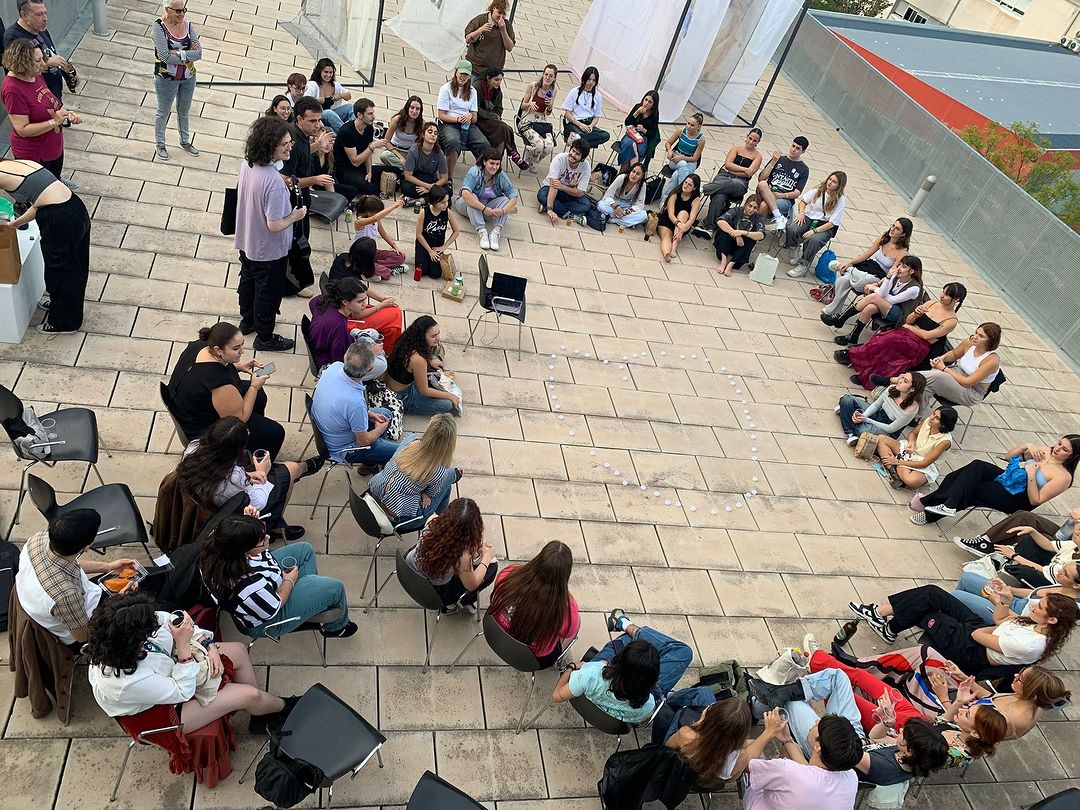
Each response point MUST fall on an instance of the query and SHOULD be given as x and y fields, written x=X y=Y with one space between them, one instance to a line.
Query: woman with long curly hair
x=418 y=480
x=140 y=659
x=324 y=87
x=532 y=602
x=257 y=587
x=710 y=740
x=214 y=469
x=453 y=556
x=407 y=368
x=346 y=306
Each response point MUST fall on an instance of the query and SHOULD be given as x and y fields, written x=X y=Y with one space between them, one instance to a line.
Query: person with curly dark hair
x=214 y=469
x=258 y=587
x=264 y=230
x=407 y=370
x=453 y=556
x=630 y=674
x=140 y=658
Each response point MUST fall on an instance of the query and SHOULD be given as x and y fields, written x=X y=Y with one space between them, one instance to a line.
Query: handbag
x=228 y=213
x=449 y=269
x=284 y=781
x=651 y=224
x=866 y=446
x=983 y=567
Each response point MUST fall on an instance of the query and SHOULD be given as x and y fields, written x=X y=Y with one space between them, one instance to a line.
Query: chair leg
x=465 y=650
x=123 y=767
x=318 y=495
x=333 y=523
x=258 y=754
x=306 y=446
x=371 y=566
x=320 y=642
x=472 y=329
x=19 y=503
x=378 y=755
x=618 y=743
x=386 y=581
x=97 y=472
x=103 y=446
x=303 y=419
x=519 y=341
x=168 y=444
x=528 y=700
x=431 y=643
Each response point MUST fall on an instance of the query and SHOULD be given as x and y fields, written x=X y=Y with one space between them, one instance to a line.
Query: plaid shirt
x=61 y=579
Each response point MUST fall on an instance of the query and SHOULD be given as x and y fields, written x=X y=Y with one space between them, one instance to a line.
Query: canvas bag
x=764 y=271
x=388 y=185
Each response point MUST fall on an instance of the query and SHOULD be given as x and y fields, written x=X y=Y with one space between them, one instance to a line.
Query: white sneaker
x=485 y=240
x=834 y=265
x=780 y=222
x=809 y=644
x=573 y=136
x=786 y=668
x=794 y=255
x=798 y=271
x=493 y=240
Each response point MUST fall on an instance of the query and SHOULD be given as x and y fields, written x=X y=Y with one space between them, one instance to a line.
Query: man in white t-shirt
x=457 y=111
x=563 y=193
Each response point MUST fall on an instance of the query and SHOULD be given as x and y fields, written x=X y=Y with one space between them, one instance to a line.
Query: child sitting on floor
x=431 y=224
x=369 y=213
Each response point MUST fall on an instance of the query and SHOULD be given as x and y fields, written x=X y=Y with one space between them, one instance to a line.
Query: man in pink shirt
x=826 y=782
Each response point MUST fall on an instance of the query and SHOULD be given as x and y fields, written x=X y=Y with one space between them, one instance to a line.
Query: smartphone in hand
x=266 y=370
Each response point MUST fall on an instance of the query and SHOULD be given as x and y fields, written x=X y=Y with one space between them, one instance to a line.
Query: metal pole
x=780 y=63
x=671 y=45
x=513 y=10
x=920 y=195
x=375 y=57
x=101 y=19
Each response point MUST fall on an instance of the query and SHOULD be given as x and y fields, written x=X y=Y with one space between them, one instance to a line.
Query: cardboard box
x=10 y=258
x=446 y=292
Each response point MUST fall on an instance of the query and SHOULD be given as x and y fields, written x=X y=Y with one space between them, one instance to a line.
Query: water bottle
x=455 y=288
x=846 y=632
x=465 y=129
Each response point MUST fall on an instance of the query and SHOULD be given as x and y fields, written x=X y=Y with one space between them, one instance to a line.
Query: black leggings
x=357 y=178
x=948 y=623
x=974 y=485
x=65 y=250
x=263 y=432
x=454 y=590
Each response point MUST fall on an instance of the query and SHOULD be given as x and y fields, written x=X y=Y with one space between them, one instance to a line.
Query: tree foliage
x=1020 y=153
x=862 y=8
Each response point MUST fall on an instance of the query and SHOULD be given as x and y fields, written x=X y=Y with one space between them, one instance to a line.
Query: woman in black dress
x=678 y=215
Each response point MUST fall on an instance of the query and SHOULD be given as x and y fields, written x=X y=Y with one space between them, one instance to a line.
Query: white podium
x=18 y=301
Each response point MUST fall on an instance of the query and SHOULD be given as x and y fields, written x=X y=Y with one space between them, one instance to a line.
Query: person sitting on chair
x=534 y=117
x=644 y=120
x=732 y=181
x=898 y=403
x=709 y=735
x=869 y=267
x=684 y=150
x=782 y=180
x=979 y=592
x=582 y=108
x=1033 y=543
x=892 y=299
x=51 y=581
x=258 y=587
x=977 y=366
x=453 y=556
x=490 y=111
x=818 y=213
x=631 y=672
x=418 y=480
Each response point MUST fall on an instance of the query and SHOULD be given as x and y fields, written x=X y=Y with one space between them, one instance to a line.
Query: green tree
x=862 y=8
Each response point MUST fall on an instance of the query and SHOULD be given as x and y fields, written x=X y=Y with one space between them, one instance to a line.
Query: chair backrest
x=11 y=406
x=996 y=383
x=324 y=279
x=316 y=434
x=369 y=515
x=167 y=401
x=513 y=652
x=416 y=585
x=597 y=717
x=42 y=494
x=504 y=285
x=305 y=330
x=485 y=273
x=435 y=793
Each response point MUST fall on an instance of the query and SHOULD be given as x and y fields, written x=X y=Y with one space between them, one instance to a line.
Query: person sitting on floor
x=407 y=369
x=454 y=557
x=899 y=403
x=532 y=602
x=737 y=232
x=140 y=659
x=679 y=213
x=425 y=165
x=353 y=432
x=358 y=262
x=487 y=198
x=370 y=213
x=911 y=462
x=893 y=299
x=869 y=267
x=923 y=334
x=258 y=587
x=818 y=214
x=631 y=672
x=418 y=480
x=214 y=469
x=431 y=225
x=1033 y=542
x=562 y=194
x=51 y=581
x=346 y=306
x=1035 y=475
x=624 y=201
x=960 y=634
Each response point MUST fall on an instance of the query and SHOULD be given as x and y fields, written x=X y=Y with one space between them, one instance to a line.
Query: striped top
x=180 y=65
x=687 y=145
x=399 y=493
x=254 y=600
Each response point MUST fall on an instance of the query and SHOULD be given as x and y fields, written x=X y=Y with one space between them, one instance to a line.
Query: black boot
x=775 y=696
x=842 y=318
x=841 y=357
x=852 y=338
x=879 y=379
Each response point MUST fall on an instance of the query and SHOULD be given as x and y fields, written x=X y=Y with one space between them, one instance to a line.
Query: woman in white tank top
x=869 y=266
x=977 y=364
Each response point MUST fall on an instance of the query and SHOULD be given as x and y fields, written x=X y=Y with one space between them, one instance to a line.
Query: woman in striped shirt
x=453 y=556
x=417 y=480
x=253 y=585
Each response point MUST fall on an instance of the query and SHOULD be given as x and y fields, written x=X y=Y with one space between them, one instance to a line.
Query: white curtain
x=695 y=42
x=435 y=28
x=361 y=22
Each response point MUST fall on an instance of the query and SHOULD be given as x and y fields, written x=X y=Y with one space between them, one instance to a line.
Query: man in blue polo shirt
x=340 y=409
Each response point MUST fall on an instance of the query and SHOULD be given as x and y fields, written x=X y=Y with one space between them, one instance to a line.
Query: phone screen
x=266 y=370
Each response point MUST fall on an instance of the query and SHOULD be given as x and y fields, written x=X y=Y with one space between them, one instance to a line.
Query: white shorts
x=930 y=471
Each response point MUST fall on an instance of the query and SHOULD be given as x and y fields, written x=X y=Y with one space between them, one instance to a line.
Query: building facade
x=1046 y=20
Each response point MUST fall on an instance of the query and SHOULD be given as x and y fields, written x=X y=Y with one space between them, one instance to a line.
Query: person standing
x=176 y=49
x=489 y=37
x=264 y=230
x=33 y=25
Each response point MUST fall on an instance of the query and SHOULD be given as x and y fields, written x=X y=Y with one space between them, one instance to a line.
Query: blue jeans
x=832 y=686
x=700 y=697
x=784 y=206
x=848 y=405
x=380 y=451
x=565 y=204
x=339 y=116
x=310 y=595
x=683 y=169
x=969 y=591
x=171 y=92
x=415 y=402
x=628 y=149
x=675 y=657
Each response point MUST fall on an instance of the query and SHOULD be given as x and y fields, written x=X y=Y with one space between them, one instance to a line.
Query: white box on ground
x=18 y=301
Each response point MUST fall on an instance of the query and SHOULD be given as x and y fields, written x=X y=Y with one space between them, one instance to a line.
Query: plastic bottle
x=455 y=288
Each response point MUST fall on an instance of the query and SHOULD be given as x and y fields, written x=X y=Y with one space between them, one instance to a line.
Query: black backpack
x=9 y=567
x=285 y=781
x=654 y=186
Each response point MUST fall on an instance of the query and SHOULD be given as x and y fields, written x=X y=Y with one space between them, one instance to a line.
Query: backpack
x=653 y=188
x=284 y=781
x=9 y=567
x=726 y=680
x=604 y=174
x=595 y=219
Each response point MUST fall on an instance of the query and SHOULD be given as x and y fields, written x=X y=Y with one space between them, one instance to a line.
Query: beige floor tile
x=820 y=597
x=748 y=594
x=633 y=505
x=505 y=690
x=688 y=439
x=688 y=547
x=784 y=514
x=895 y=556
x=35 y=768
x=414 y=701
x=643 y=405
x=622 y=433
x=488 y=764
x=668 y=470
x=406 y=755
x=602 y=587
x=572 y=758
x=719 y=639
x=505 y=393
x=833 y=554
x=526 y=460
x=525 y=537
x=768 y=551
x=554 y=428
x=500 y=496
x=572 y=500
x=92 y=766
x=796 y=480
x=586 y=399
x=623 y=544
x=677 y=590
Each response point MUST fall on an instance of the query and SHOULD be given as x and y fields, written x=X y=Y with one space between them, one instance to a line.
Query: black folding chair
x=374 y=521
x=121 y=523
x=327 y=206
x=328 y=733
x=76 y=439
x=170 y=408
x=596 y=717
x=313 y=367
x=504 y=296
x=435 y=793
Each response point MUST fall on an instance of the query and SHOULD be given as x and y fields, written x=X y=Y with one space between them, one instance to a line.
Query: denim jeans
x=848 y=405
x=338 y=116
x=667 y=720
x=380 y=451
x=675 y=656
x=564 y=203
x=683 y=169
x=832 y=686
x=310 y=595
x=171 y=92
x=628 y=148
x=416 y=403
x=969 y=591
x=784 y=206
x=629 y=220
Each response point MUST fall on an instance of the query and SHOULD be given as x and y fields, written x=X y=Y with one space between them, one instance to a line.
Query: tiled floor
x=655 y=368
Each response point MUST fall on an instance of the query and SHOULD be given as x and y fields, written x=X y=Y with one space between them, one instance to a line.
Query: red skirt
x=888 y=354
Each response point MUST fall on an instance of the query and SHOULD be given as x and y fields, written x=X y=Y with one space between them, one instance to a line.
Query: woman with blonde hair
x=417 y=481
x=818 y=213
x=453 y=556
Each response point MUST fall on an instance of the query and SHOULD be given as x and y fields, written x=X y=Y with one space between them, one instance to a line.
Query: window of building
x=1017 y=7
x=911 y=15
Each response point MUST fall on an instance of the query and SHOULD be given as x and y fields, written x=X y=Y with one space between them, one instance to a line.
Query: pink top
x=547 y=646
x=781 y=784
